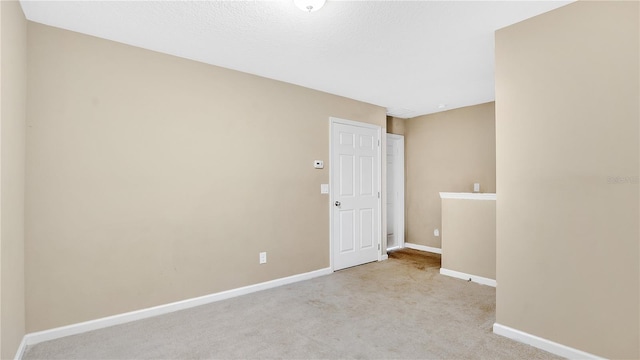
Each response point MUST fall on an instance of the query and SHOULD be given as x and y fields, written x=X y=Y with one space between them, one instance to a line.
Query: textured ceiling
x=406 y=56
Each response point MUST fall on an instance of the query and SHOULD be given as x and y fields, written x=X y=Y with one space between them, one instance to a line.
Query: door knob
x=338 y=203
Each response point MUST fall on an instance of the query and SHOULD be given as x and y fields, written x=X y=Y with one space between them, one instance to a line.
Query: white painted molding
x=21 y=348
x=384 y=257
x=423 y=248
x=541 y=343
x=468 y=196
x=73 y=329
x=464 y=276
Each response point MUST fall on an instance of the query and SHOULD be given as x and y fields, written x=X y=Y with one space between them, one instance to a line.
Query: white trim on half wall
x=464 y=276
x=541 y=343
x=468 y=196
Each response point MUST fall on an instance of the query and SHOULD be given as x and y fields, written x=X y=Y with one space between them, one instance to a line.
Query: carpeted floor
x=401 y=308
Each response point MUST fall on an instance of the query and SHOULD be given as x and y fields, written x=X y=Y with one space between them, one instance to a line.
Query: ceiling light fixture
x=309 y=5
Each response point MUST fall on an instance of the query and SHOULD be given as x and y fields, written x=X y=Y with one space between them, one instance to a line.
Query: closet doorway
x=395 y=191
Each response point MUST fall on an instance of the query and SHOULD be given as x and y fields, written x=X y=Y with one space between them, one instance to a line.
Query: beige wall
x=13 y=51
x=567 y=174
x=395 y=125
x=469 y=236
x=152 y=179
x=447 y=151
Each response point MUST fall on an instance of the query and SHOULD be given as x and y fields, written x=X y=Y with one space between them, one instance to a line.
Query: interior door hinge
x=378 y=142
x=378 y=194
x=378 y=246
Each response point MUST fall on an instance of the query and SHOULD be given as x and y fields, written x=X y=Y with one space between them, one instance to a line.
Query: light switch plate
x=324 y=188
x=318 y=164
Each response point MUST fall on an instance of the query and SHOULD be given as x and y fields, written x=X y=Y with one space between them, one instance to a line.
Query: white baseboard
x=423 y=248
x=540 y=343
x=465 y=276
x=21 y=348
x=73 y=329
x=384 y=257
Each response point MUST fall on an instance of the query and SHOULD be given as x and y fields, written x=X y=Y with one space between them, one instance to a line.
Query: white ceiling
x=407 y=56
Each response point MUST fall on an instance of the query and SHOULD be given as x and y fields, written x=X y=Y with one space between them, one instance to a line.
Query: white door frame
x=399 y=186
x=335 y=120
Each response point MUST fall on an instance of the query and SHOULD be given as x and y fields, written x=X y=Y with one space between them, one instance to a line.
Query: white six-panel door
x=355 y=163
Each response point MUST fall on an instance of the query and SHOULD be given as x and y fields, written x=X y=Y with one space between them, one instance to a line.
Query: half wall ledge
x=468 y=196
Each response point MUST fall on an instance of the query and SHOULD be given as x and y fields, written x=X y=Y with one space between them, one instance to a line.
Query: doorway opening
x=395 y=191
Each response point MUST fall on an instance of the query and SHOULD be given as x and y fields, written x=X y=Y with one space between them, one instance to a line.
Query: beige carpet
x=401 y=308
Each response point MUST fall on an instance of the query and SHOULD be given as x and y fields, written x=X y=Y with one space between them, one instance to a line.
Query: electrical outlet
x=263 y=258
x=436 y=232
